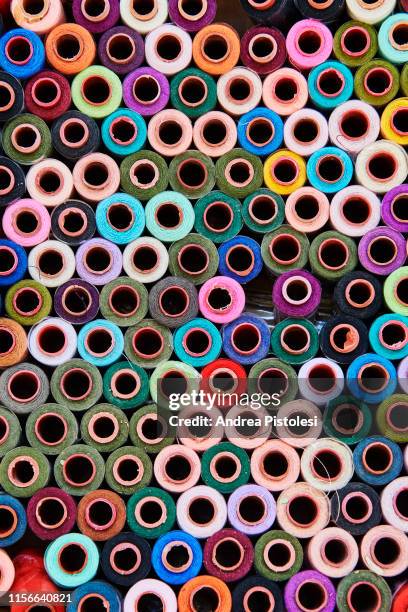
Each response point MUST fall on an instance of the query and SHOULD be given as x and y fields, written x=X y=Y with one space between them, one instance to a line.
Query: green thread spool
x=193 y=92
x=391 y=418
x=339 y=253
x=364 y=576
x=28 y=302
x=193 y=257
x=284 y=249
x=144 y=174
x=141 y=514
x=239 y=173
x=125 y=385
x=218 y=216
x=124 y=301
x=264 y=548
x=282 y=376
x=10 y=431
x=395 y=291
x=51 y=428
x=295 y=341
x=347 y=419
x=225 y=467
x=149 y=431
x=76 y=384
x=367 y=74
x=148 y=343
x=96 y=91
x=33 y=139
x=192 y=173
x=128 y=469
x=404 y=79
x=263 y=211
x=79 y=469
x=104 y=427
x=24 y=471
x=362 y=41
x=191 y=377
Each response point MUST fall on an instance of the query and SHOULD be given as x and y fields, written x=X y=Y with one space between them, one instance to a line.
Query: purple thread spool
x=76 y=301
x=296 y=293
x=121 y=49
x=382 y=250
x=251 y=509
x=146 y=91
x=87 y=13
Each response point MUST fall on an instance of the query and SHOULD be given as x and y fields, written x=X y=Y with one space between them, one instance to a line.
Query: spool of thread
x=343 y=338
x=13 y=348
x=246 y=339
x=141 y=518
x=70 y=48
x=327 y=464
x=251 y=509
x=284 y=249
x=125 y=385
x=389 y=38
x=76 y=301
x=169 y=216
x=223 y=376
x=260 y=131
x=216 y=48
x=310 y=588
x=334 y=552
x=27 y=302
x=26 y=139
x=392 y=124
x=43 y=21
x=194 y=257
x=329 y=170
x=146 y=91
x=12 y=96
x=218 y=216
x=24 y=471
x=10 y=432
x=358 y=294
x=125 y=559
x=142 y=20
x=330 y=84
x=263 y=49
x=51 y=428
x=168 y=49
x=96 y=176
x=295 y=341
x=27 y=222
x=193 y=92
x=167 y=376
x=320 y=380
x=192 y=174
x=355 y=43
x=284 y=172
x=388 y=417
x=76 y=384
x=144 y=174
x=96 y=91
x=371 y=378
x=383 y=549
x=332 y=255
x=272 y=376
x=382 y=250
x=353 y=125
x=240 y=259
x=154 y=591
x=74 y=135
x=101 y=515
x=79 y=469
x=100 y=342
x=365 y=12
x=377 y=461
x=52 y=341
x=47 y=95
x=15 y=521
x=392 y=503
x=128 y=470
x=323 y=11
x=148 y=343
x=197 y=342
x=201 y=511
x=347 y=419
x=51 y=513
x=285 y=91
x=355 y=210
x=173 y=301
x=177 y=557
x=389 y=336
x=356 y=508
x=71 y=560
x=400 y=599
x=170 y=132
x=239 y=91
x=7 y=571
x=303 y=510
x=263 y=211
x=307 y=210
x=51 y=263
x=98 y=261
x=308 y=43
x=215 y=133
x=124 y=301
x=24 y=387
x=192 y=18
x=120 y=218
x=306 y=131
x=224 y=467
x=281 y=13
x=149 y=431
x=95 y=18
x=12 y=180
x=121 y=49
x=124 y=132
x=49 y=182
x=21 y=53
x=278 y=555
x=377 y=82
x=296 y=293
x=257 y=589
x=394 y=291
x=233 y=564
x=14 y=262
x=98 y=592
x=363 y=586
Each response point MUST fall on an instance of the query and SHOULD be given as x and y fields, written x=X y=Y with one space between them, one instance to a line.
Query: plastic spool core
x=225 y=467
x=99 y=342
x=201 y=510
x=262 y=209
x=151 y=428
x=103 y=427
x=330 y=82
x=297 y=290
x=364 y=594
x=309 y=42
x=27 y=301
x=382 y=166
x=7 y=341
x=401 y=291
x=295 y=339
x=193 y=91
x=215 y=48
x=258 y=598
x=399 y=121
x=398 y=36
x=170 y=132
x=396 y=416
x=228 y=554
x=125 y=558
x=285 y=171
x=240 y=260
x=8 y=260
x=356 y=507
x=386 y=551
x=193 y=259
x=204 y=598
x=302 y=511
x=382 y=250
x=148 y=342
x=23 y=386
x=192 y=10
x=100 y=514
x=76 y=384
x=26 y=138
x=124 y=300
x=35 y=8
x=51 y=429
x=279 y=555
x=378 y=81
x=96 y=90
x=335 y=552
x=285 y=89
x=192 y=173
x=251 y=510
x=347 y=419
x=400 y=503
x=355 y=41
x=174 y=381
x=128 y=470
x=120 y=48
x=52 y=340
x=285 y=249
x=50 y=262
x=394 y=335
x=311 y=595
x=307 y=208
x=95 y=10
x=23 y=471
x=177 y=556
x=377 y=458
x=214 y=132
x=306 y=130
x=7 y=179
x=97 y=260
x=322 y=378
x=174 y=301
x=354 y=124
x=96 y=175
x=344 y=338
x=144 y=10
x=8 y=521
x=333 y=254
x=246 y=338
x=79 y=470
x=326 y=465
x=93 y=603
x=68 y=47
x=144 y=174
x=120 y=217
x=169 y=47
x=76 y=300
x=46 y=92
x=72 y=558
x=274 y=465
x=74 y=133
x=150 y=512
x=51 y=512
x=330 y=168
x=19 y=50
x=197 y=342
x=218 y=217
x=123 y=130
x=360 y=293
x=260 y=131
x=356 y=210
x=125 y=383
x=262 y=48
x=146 y=89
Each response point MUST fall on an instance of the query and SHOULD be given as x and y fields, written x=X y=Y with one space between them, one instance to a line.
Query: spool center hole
x=400 y=207
x=306 y=130
x=151 y=512
x=145 y=173
x=99 y=341
x=100 y=513
x=52 y=340
x=240 y=172
x=178 y=468
x=240 y=259
x=120 y=217
x=74 y=132
x=96 y=90
x=275 y=464
x=33 y=7
x=148 y=342
x=252 y=509
x=123 y=130
x=51 y=428
x=152 y=429
x=262 y=47
x=360 y=293
x=46 y=91
x=225 y=467
x=307 y=207
x=356 y=210
x=334 y=253
x=285 y=248
x=378 y=458
x=201 y=511
x=327 y=465
x=402 y=290
x=228 y=553
x=322 y=378
x=387 y=550
x=72 y=558
x=296 y=338
x=125 y=559
x=146 y=89
x=246 y=338
x=128 y=470
x=18 y=49
x=355 y=40
x=286 y=89
x=5 y=178
x=173 y=382
x=68 y=46
x=23 y=472
x=192 y=173
x=192 y=7
x=149 y=602
x=272 y=381
x=49 y=182
x=79 y=469
x=6 y=341
x=297 y=290
x=77 y=300
x=285 y=171
x=98 y=259
x=169 y=215
x=364 y=597
x=145 y=258
x=214 y=132
x=120 y=47
x=104 y=427
x=309 y=42
x=168 y=47
x=382 y=250
x=330 y=168
x=124 y=300
x=96 y=174
x=331 y=82
x=197 y=342
x=279 y=554
x=401 y=501
x=178 y=556
x=126 y=383
x=400 y=120
x=24 y=385
x=260 y=131
x=51 y=262
x=76 y=384
x=393 y=333
x=94 y=8
x=215 y=48
x=193 y=91
x=174 y=301
x=382 y=166
x=398 y=416
x=7 y=260
x=312 y=595
x=27 y=300
x=205 y=599
x=303 y=510
x=400 y=34
x=378 y=81
x=170 y=132
x=355 y=125
x=357 y=507
x=193 y=259
x=7 y=521
x=93 y=603
x=51 y=511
